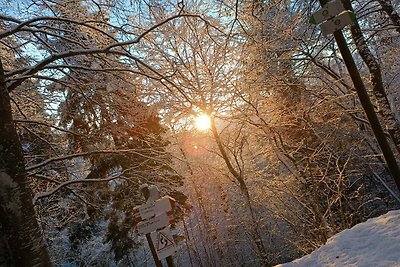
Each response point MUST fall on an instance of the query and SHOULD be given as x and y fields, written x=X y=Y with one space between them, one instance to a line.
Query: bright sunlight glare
x=203 y=122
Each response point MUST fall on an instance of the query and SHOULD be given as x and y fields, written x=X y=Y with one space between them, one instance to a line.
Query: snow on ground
x=375 y=242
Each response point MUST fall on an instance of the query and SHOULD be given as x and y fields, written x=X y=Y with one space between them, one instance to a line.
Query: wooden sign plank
x=338 y=22
x=328 y=11
x=154 y=223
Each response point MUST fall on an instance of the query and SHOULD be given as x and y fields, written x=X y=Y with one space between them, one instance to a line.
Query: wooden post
x=170 y=261
x=152 y=193
x=146 y=193
x=153 y=251
x=367 y=105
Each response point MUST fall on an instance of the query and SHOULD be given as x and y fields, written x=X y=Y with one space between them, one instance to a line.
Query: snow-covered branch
x=114 y=48
x=46 y=124
x=85 y=154
x=76 y=181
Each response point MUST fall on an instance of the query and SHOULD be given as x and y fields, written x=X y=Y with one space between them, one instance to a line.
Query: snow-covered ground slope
x=375 y=242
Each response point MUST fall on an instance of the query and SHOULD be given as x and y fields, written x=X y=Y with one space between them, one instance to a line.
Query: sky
x=375 y=242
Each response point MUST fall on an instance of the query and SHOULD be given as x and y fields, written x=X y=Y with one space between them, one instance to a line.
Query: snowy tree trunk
x=245 y=192
x=19 y=230
x=392 y=125
x=255 y=226
x=394 y=17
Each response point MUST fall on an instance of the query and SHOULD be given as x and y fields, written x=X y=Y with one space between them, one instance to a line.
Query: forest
x=242 y=111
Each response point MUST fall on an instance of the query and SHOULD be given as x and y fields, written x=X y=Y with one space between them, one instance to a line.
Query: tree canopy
x=100 y=97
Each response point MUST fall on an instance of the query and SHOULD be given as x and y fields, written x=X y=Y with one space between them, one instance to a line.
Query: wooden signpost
x=328 y=11
x=153 y=224
x=334 y=25
x=155 y=217
x=337 y=23
x=150 y=209
x=333 y=17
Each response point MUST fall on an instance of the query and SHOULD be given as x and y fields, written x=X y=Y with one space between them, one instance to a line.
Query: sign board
x=163 y=243
x=154 y=223
x=328 y=11
x=338 y=22
x=151 y=209
x=145 y=211
x=163 y=205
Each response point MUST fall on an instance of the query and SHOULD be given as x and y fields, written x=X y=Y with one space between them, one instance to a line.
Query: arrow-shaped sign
x=151 y=209
x=155 y=223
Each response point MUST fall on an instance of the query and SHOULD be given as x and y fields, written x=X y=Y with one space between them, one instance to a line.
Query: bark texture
x=21 y=239
x=256 y=235
x=394 y=17
x=383 y=104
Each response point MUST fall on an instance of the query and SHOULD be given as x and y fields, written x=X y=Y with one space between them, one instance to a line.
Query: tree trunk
x=255 y=225
x=19 y=230
x=245 y=193
x=394 y=17
x=392 y=125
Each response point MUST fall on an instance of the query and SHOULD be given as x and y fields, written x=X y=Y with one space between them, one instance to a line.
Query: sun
x=203 y=122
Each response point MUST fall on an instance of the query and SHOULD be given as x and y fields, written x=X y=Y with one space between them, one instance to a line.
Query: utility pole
x=360 y=88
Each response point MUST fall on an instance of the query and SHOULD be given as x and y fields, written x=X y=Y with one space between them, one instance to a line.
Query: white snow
x=375 y=242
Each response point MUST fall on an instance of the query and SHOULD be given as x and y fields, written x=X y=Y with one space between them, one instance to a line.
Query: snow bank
x=375 y=242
